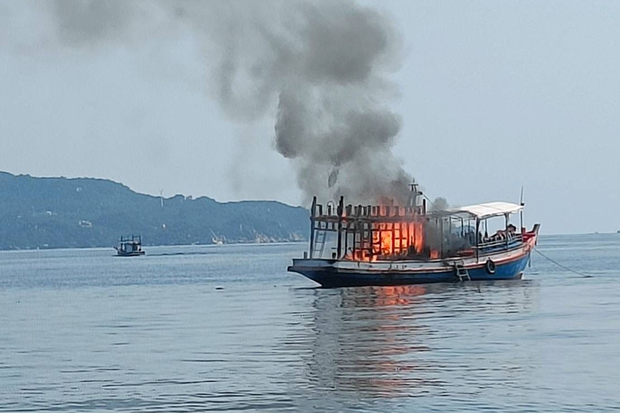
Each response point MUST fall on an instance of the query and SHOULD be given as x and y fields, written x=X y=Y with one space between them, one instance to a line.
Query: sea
x=225 y=328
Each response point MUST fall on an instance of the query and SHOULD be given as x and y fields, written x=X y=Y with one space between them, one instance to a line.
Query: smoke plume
x=320 y=68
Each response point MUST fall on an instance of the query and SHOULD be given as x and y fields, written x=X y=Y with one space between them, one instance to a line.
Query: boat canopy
x=491 y=209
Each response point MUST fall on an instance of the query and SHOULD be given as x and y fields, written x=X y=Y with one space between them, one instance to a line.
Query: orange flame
x=392 y=232
x=397 y=238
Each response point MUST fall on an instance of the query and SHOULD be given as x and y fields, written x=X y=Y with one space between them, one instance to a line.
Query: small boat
x=130 y=246
x=386 y=245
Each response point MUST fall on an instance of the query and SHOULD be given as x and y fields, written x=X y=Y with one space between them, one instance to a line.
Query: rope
x=562 y=266
x=429 y=200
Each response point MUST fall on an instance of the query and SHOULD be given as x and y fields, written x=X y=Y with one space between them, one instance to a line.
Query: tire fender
x=489 y=266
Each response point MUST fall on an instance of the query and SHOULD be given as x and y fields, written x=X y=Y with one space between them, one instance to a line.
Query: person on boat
x=499 y=235
x=502 y=235
x=511 y=230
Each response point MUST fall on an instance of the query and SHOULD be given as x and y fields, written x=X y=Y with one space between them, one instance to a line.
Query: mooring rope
x=429 y=200
x=562 y=266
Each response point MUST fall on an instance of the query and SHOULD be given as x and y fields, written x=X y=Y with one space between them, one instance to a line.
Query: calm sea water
x=225 y=328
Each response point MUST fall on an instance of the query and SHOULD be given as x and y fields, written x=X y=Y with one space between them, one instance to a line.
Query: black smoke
x=322 y=69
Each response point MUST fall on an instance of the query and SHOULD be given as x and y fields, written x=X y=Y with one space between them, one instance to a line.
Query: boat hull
x=129 y=254
x=508 y=265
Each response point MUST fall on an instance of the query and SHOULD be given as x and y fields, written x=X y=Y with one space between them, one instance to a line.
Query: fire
x=382 y=232
x=398 y=238
x=404 y=236
x=386 y=243
x=418 y=241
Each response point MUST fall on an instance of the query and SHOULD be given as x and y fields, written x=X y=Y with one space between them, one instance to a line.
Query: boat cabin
x=396 y=233
x=129 y=246
x=476 y=229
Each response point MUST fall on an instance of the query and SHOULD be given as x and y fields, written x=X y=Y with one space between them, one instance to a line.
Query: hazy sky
x=493 y=95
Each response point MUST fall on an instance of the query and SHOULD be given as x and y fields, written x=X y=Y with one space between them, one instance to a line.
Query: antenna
x=413 y=197
x=522 y=205
x=161 y=197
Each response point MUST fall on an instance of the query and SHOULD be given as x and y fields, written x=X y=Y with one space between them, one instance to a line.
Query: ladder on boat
x=320 y=242
x=461 y=272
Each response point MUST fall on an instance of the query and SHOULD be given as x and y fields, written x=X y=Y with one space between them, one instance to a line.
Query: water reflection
x=363 y=339
x=395 y=341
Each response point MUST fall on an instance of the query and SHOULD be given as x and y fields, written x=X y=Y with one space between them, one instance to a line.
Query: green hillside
x=86 y=212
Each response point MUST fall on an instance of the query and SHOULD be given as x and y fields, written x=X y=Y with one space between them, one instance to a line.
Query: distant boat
x=130 y=246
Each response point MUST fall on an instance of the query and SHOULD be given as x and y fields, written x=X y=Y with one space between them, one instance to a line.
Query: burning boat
x=358 y=245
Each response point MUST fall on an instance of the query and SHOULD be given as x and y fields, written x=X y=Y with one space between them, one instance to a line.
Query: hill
x=87 y=212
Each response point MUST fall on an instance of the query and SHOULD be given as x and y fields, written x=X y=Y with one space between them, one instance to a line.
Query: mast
x=477 y=238
x=340 y=211
x=521 y=212
x=312 y=215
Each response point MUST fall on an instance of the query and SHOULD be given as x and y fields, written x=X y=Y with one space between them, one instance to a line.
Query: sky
x=493 y=96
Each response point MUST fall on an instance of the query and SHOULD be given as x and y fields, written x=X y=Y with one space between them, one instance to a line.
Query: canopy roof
x=492 y=209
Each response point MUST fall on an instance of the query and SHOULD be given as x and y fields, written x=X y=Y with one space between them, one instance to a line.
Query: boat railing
x=501 y=243
x=137 y=239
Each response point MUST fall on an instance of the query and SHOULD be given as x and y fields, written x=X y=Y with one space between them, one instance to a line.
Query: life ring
x=490 y=267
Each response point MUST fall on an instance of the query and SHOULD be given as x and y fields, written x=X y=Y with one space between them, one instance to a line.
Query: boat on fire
x=130 y=246
x=385 y=245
